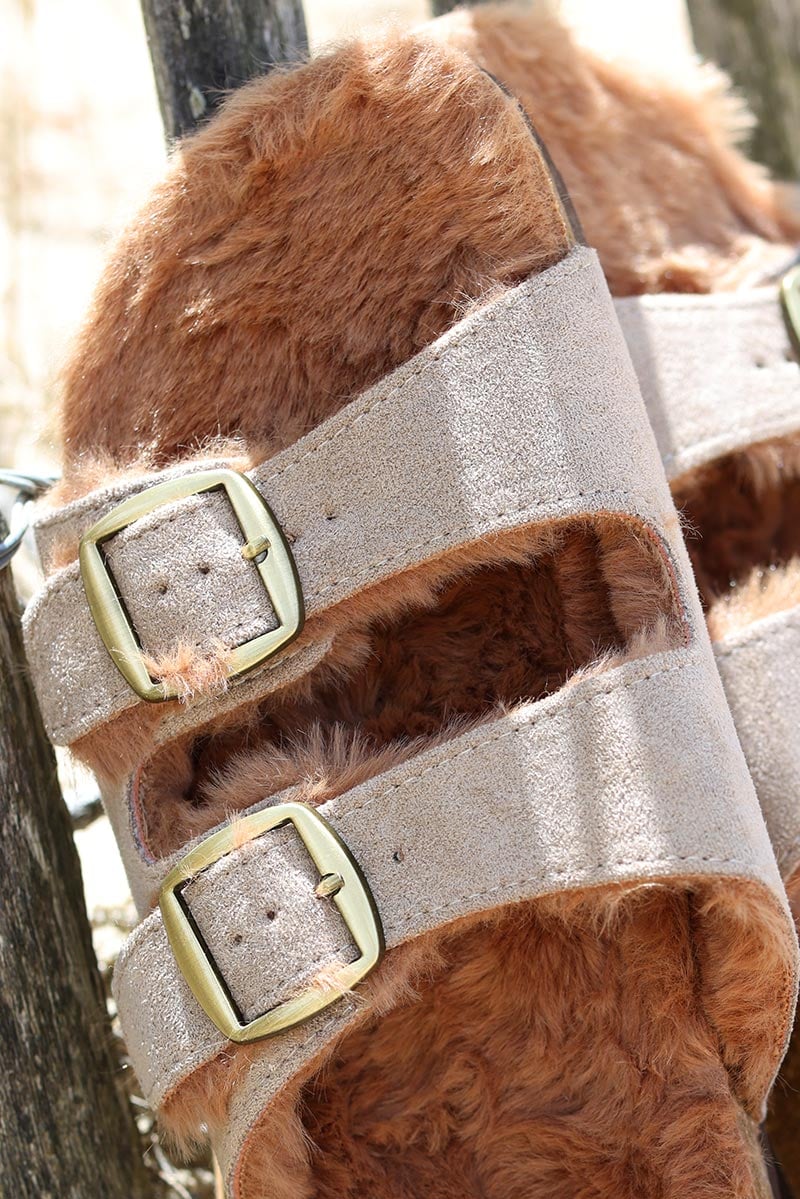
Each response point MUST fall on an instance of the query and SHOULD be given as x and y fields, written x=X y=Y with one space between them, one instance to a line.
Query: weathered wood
x=66 y=1130
x=758 y=43
x=201 y=49
x=439 y=7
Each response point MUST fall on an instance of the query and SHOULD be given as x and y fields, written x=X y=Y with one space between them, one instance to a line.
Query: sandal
x=716 y=355
x=509 y=921
x=733 y=459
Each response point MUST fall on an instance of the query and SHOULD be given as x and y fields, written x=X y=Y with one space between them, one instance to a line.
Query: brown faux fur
x=274 y=193
x=742 y=521
x=324 y=227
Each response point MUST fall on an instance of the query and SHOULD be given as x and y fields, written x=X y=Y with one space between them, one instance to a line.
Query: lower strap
x=760 y=669
x=628 y=776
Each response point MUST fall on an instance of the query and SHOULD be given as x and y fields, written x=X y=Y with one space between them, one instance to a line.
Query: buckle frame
x=265 y=546
x=353 y=899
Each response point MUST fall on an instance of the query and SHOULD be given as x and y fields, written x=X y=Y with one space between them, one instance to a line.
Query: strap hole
x=271 y=914
x=398 y=856
x=163 y=588
x=204 y=568
x=330 y=516
x=237 y=938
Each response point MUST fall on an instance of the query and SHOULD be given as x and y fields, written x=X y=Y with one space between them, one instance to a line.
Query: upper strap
x=760 y=669
x=527 y=805
x=717 y=372
x=438 y=454
x=527 y=411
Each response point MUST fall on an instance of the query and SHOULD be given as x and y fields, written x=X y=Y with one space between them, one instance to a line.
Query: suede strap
x=580 y=789
x=515 y=416
x=760 y=669
x=717 y=372
x=350 y=531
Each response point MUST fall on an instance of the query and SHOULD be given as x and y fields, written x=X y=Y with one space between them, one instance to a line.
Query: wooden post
x=66 y=1126
x=439 y=7
x=758 y=43
x=201 y=49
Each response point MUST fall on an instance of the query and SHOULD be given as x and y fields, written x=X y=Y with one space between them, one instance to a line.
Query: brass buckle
x=340 y=877
x=265 y=546
x=790 y=298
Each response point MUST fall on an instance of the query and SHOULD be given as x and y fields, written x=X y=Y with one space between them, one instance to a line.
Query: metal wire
x=27 y=488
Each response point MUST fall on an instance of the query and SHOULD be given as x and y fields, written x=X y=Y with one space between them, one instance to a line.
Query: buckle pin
x=329 y=885
x=790 y=299
x=256 y=550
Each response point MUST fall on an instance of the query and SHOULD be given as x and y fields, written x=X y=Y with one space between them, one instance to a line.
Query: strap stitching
x=509 y=884
x=125 y=693
x=443 y=538
x=661 y=303
x=91 y=508
x=529 y=723
x=743 y=441
x=489 y=314
x=266 y=851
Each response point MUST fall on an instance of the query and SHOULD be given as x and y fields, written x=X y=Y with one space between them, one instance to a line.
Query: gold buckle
x=265 y=545
x=340 y=877
x=790 y=298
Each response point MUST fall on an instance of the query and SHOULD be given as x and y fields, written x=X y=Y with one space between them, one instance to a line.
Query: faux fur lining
x=742 y=520
x=544 y=1050
x=782 y=1116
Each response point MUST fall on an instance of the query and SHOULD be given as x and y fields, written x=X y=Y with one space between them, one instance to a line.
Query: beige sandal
x=500 y=736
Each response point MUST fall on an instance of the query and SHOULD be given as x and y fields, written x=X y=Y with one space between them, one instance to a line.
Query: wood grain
x=758 y=43
x=67 y=1130
x=202 y=49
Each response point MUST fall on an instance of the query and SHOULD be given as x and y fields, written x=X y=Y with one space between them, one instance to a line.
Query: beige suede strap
x=760 y=669
x=631 y=775
x=717 y=372
x=515 y=416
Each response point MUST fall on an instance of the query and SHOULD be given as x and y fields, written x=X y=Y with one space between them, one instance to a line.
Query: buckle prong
x=790 y=299
x=256 y=550
x=328 y=885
